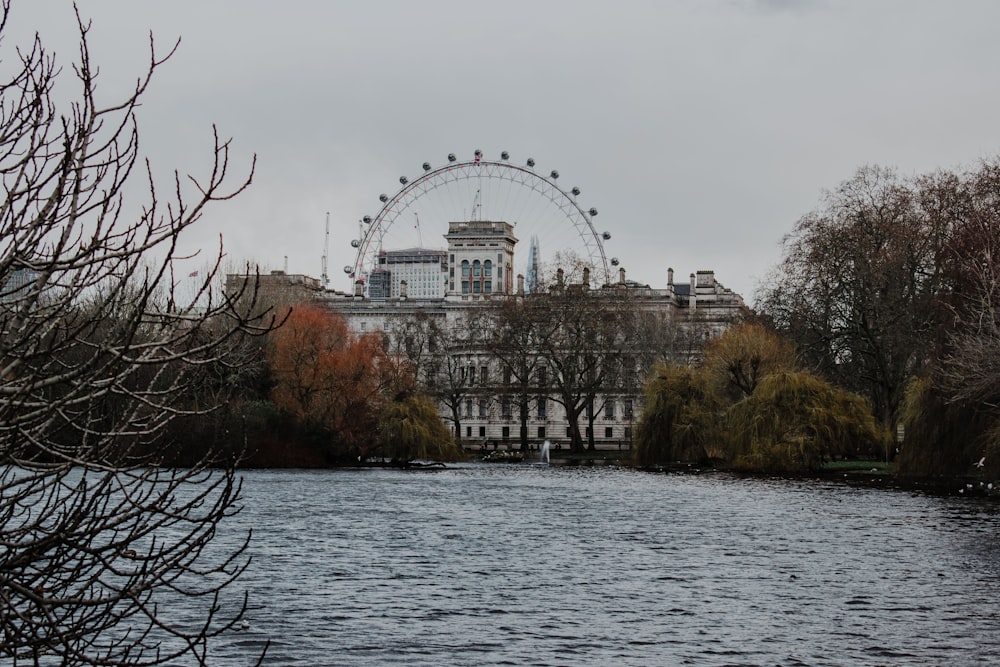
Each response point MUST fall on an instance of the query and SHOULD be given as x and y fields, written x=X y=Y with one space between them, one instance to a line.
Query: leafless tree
x=516 y=328
x=105 y=557
x=858 y=285
x=970 y=365
x=442 y=358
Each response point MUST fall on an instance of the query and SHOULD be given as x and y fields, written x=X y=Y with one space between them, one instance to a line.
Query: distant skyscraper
x=531 y=280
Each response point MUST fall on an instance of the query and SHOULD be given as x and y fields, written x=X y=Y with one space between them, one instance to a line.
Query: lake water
x=500 y=564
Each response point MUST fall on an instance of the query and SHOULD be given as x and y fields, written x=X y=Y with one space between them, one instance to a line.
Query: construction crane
x=326 y=250
x=476 y=204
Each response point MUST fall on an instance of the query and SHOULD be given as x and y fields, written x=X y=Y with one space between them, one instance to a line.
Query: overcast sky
x=701 y=130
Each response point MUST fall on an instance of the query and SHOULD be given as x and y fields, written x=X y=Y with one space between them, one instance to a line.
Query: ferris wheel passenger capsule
x=606 y=236
x=575 y=191
x=593 y=211
x=478 y=153
x=451 y=157
x=614 y=261
x=367 y=219
x=355 y=243
x=427 y=166
x=348 y=268
x=403 y=180
x=554 y=174
x=383 y=198
x=531 y=162
x=504 y=155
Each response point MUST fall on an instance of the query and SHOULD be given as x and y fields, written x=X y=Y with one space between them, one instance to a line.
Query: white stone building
x=475 y=272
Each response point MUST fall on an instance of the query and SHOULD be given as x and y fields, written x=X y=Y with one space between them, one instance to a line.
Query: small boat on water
x=504 y=456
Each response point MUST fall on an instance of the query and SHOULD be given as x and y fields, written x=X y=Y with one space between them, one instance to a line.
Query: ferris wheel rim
x=411 y=191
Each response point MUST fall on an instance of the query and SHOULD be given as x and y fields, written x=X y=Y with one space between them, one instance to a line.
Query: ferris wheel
x=544 y=215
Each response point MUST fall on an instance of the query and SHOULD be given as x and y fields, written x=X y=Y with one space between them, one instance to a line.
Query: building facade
x=418 y=273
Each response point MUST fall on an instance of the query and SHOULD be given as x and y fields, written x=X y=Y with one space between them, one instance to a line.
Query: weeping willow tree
x=411 y=428
x=679 y=419
x=794 y=421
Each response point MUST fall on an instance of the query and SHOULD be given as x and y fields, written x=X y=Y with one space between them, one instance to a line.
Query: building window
x=608 y=432
x=505 y=407
x=628 y=408
x=475 y=269
x=587 y=432
x=488 y=268
x=465 y=268
x=472 y=375
x=482 y=375
x=609 y=409
x=541 y=431
x=488 y=287
x=468 y=407
x=505 y=432
x=506 y=375
x=482 y=431
x=482 y=407
x=628 y=371
x=543 y=376
x=542 y=406
x=468 y=431
x=465 y=287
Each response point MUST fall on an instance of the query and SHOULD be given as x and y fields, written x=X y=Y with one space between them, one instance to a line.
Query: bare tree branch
x=104 y=556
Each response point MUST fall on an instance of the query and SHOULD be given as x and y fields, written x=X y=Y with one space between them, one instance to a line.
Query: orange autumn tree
x=329 y=379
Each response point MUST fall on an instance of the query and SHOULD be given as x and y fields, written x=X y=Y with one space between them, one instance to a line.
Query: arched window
x=465 y=268
x=488 y=268
x=475 y=269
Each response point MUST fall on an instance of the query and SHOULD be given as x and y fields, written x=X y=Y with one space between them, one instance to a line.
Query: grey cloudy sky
x=701 y=130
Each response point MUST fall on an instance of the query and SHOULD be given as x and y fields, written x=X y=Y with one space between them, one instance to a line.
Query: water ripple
x=537 y=565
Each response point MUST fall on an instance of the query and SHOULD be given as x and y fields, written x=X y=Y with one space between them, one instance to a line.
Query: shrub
x=679 y=418
x=410 y=428
x=945 y=437
x=795 y=420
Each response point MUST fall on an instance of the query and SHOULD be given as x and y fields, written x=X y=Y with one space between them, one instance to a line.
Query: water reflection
x=495 y=564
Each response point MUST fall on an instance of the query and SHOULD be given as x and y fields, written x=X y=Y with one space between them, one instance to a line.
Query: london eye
x=545 y=215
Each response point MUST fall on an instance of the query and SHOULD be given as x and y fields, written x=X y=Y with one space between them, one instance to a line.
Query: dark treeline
x=888 y=290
